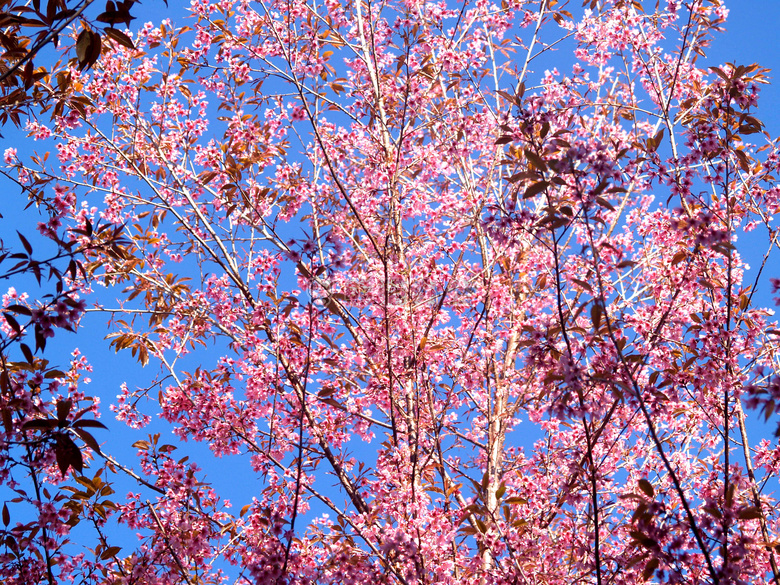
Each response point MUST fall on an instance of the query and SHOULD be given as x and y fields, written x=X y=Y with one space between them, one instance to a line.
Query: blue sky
x=751 y=37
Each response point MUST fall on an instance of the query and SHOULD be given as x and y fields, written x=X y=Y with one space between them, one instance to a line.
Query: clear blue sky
x=752 y=37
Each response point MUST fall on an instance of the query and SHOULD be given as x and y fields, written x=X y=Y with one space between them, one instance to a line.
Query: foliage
x=43 y=412
x=44 y=415
x=464 y=321
x=30 y=28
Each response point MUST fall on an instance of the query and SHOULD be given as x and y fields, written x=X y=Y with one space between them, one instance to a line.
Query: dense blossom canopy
x=460 y=283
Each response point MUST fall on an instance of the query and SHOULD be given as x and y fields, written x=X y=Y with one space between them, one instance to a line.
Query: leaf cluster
x=30 y=28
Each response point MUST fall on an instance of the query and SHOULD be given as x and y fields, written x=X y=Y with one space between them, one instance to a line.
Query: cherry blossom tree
x=32 y=28
x=459 y=283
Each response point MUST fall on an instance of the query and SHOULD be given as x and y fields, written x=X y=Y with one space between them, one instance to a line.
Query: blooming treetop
x=467 y=320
